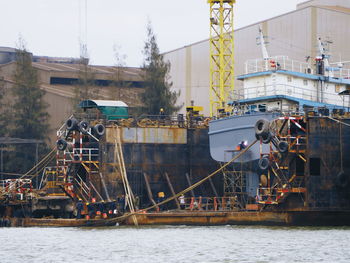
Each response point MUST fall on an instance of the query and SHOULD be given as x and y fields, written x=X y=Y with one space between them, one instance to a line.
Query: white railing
x=294 y=91
x=284 y=63
x=341 y=73
x=278 y=62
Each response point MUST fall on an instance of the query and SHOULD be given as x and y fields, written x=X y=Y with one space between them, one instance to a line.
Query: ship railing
x=81 y=154
x=341 y=73
x=154 y=121
x=62 y=131
x=267 y=195
x=276 y=63
x=204 y=204
x=301 y=92
x=82 y=187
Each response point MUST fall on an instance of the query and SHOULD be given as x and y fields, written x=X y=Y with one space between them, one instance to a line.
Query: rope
x=118 y=151
x=118 y=219
x=40 y=164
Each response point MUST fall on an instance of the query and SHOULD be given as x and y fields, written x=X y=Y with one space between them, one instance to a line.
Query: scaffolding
x=221 y=54
x=286 y=171
x=77 y=169
x=235 y=183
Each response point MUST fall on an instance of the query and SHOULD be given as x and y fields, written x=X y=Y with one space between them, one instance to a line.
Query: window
x=289 y=78
x=305 y=82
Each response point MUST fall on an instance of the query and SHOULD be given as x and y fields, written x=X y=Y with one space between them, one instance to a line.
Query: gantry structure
x=221 y=54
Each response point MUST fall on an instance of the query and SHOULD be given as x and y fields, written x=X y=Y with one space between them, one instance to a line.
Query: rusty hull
x=58 y=222
x=156 y=151
x=268 y=218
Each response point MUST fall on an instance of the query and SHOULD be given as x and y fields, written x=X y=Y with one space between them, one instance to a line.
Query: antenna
x=86 y=23
x=262 y=42
x=323 y=51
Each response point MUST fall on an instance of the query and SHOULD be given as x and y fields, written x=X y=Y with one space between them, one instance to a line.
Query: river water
x=169 y=244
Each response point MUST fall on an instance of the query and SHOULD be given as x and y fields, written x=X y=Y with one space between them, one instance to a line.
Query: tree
x=118 y=80
x=3 y=108
x=85 y=88
x=156 y=77
x=29 y=116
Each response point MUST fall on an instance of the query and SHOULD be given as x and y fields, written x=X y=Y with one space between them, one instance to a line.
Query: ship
x=299 y=117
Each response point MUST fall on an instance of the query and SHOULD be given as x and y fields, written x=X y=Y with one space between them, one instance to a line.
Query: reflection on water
x=169 y=244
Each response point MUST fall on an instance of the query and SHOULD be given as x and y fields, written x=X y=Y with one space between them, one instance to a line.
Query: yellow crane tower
x=221 y=54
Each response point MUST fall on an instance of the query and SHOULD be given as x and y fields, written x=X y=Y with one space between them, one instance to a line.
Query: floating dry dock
x=303 y=176
x=290 y=218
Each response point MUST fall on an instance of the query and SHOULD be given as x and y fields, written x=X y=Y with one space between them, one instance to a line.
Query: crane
x=221 y=54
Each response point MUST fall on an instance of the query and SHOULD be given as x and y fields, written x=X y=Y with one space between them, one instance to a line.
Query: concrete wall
x=293 y=34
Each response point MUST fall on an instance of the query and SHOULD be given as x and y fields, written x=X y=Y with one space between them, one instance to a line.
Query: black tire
x=342 y=180
x=83 y=127
x=61 y=145
x=283 y=147
x=99 y=130
x=267 y=138
x=264 y=163
x=72 y=124
x=262 y=128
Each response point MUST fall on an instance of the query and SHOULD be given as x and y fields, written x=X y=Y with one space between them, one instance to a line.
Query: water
x=175 y=244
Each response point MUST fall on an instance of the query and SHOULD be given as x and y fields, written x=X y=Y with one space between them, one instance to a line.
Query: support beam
x=104 y=187
x=149 y=191
x=172 y=190
x=213 y=187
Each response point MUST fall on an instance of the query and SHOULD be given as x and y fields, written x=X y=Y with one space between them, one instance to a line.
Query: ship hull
x=268 y=218
x=227 y=133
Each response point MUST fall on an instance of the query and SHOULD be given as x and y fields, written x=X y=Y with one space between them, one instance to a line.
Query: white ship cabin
x=286 y=85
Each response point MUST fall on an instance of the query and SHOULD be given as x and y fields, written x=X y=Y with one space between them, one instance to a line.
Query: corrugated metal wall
x=293 y=34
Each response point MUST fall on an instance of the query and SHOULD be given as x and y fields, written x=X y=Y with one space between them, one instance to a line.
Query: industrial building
x=59 y=77
x=293 y=34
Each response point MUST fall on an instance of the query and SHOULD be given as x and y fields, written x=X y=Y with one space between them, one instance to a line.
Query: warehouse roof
x=102 y=103
x=68 y=67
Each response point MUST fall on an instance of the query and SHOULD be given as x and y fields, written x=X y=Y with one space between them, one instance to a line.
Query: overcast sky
x=55 y=27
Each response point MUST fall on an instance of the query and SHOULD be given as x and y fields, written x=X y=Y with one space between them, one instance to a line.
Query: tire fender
x=262 y=128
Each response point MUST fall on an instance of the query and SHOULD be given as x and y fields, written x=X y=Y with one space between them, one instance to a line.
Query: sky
x=57 y=27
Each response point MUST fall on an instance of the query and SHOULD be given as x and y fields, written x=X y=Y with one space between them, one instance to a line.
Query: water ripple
x=168 y=244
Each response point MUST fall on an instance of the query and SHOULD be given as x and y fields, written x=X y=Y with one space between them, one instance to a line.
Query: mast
x=264 y=52
x=263 y=45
